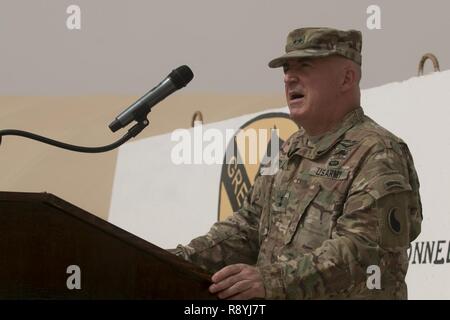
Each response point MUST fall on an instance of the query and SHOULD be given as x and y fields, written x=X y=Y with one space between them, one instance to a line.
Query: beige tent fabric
x=86 y=179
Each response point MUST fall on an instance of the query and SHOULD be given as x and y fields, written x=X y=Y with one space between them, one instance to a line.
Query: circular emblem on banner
x=241 y=164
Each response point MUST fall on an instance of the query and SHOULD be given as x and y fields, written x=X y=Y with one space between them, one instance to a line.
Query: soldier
x=346 y=197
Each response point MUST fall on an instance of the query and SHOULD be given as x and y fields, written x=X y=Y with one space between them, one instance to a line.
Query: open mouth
x=296 y=97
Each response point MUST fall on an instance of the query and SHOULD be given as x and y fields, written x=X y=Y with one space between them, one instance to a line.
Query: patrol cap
x=321 y=42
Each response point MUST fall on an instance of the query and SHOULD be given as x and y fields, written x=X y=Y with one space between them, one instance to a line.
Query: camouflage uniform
x=321 y=42
x=339 y=203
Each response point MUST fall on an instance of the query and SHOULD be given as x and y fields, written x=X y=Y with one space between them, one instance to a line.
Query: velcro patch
x=330 y=173
x=391 y=184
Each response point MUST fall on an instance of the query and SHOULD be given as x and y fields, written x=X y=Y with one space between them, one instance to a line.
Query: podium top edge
x=107 y=227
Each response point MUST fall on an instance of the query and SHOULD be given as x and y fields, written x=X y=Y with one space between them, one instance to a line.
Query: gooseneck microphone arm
x=132 y=132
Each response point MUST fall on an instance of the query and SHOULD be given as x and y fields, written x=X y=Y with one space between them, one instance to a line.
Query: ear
x=349 y=78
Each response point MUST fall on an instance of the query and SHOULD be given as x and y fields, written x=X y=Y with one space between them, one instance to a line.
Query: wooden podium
x=42 y=236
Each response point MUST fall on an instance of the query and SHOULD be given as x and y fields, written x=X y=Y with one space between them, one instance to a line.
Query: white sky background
x=127 y=47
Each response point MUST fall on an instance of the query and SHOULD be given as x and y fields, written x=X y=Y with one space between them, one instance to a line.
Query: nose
x=290 y=77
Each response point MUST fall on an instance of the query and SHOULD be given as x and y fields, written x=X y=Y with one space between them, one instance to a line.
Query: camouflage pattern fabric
x=339 y=203
x=321 y=42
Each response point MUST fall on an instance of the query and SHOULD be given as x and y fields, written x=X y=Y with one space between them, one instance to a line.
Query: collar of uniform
x=314 y=147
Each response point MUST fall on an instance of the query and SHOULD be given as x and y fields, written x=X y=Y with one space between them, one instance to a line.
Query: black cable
x=134 y=131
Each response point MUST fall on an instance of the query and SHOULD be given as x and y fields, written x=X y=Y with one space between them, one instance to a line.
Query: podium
x=51 y=249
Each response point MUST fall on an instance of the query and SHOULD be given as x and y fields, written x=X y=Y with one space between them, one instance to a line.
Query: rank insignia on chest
x=343 y=149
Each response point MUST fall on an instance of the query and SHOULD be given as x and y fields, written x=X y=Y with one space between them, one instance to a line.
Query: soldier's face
x=311 y=85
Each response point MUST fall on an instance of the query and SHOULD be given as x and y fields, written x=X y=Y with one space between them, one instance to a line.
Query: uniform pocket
x=280 y=200
x=315 y=227
x=298 y=207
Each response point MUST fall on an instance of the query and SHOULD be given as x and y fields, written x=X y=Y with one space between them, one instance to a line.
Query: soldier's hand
x=238 y=282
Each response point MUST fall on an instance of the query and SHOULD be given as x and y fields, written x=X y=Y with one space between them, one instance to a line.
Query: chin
x=298 y=113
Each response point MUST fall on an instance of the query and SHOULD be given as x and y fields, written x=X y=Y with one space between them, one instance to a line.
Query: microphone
x=138 y=111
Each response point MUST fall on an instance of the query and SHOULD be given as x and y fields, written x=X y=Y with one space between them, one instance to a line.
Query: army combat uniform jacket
x=341 y=208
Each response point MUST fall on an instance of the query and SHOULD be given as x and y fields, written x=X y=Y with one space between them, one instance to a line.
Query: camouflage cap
x=321 y=42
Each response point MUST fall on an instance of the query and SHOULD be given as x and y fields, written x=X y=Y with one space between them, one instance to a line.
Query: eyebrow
x=300 y=60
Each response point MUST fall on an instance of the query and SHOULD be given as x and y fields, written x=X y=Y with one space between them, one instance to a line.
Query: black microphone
x=138 y=111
